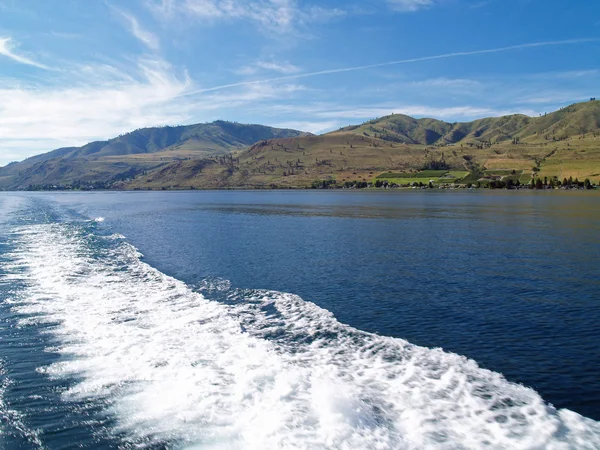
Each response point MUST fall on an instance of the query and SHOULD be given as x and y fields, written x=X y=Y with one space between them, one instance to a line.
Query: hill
x=396 y=148
x=573 y=120
x=104 y=162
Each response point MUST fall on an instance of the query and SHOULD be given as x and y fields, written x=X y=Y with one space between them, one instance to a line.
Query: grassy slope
x=365 y=151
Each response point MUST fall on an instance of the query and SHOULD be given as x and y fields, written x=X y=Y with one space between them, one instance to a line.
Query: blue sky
x=73 y=71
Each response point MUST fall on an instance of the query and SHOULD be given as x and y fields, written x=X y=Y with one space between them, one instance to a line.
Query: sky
x=74 y=71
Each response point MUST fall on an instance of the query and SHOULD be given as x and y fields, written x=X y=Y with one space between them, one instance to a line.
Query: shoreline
x=338 y=189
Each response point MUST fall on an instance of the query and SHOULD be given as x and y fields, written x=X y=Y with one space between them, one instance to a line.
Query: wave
x=13 y=422
x=259 y=369
x=4 y=382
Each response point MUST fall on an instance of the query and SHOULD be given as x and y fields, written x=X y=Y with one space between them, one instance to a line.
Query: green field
x=429 y=174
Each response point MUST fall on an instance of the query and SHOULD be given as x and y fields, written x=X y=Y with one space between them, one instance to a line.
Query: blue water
x=300 y=320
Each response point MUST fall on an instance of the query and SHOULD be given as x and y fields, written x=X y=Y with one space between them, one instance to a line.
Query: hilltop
x=577 y=119
x=397 y=149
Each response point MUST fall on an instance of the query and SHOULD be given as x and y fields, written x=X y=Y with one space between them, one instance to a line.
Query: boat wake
x=257 y=369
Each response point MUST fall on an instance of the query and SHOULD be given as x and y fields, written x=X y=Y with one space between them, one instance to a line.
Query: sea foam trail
x=261 y=370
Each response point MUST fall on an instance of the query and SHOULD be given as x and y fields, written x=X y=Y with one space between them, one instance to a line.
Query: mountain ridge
x=562 y=144
x=226 y=154
x=578 y=118
x=135 y=152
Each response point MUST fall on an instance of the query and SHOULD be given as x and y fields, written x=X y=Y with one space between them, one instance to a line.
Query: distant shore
x=294 y=188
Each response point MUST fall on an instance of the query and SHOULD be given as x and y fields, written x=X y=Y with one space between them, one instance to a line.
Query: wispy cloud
x=344 y=114
x=316 y=127
x=410 y=5
x=403 y=61
x=480 y=4
x=6 y=49
x=271 y=16
x=38 y=117
x=447 y=83
x=103 y=101
x=566 y=75
x=455 y=112
x=64 y=35
x=554 y=97
x=146 y=37
x=283 y=67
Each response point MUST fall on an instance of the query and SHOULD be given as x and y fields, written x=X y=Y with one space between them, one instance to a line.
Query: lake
x=300 y=319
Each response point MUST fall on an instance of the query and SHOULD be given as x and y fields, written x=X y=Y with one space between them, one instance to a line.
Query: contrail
x=392 y=63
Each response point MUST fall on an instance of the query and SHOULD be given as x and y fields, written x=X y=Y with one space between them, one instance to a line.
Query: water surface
x=300 y=319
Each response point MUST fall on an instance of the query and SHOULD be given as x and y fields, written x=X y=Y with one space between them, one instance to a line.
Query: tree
x=538 y=184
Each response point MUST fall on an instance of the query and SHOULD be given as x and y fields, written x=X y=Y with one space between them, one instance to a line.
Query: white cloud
x=447 y=83
x=282 y=67
x=451 y=113
x=480 y=4
x=409 y=5
x=99 y=102
x=315 y=127
x=273 y=15
x=553 y=97
x=565 y=75
x=66 y=35
x=6 y=50
x=333 y=112
x=270 y=16
x=146 y=37
x=36 y=118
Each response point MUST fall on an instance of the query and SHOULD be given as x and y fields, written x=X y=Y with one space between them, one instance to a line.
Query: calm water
x=300 y=320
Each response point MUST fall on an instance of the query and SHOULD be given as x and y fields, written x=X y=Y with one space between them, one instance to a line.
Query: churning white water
x=264 y=370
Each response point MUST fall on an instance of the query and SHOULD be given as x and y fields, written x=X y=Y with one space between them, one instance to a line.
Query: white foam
x=267 y=371
x=3 y=407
